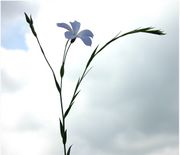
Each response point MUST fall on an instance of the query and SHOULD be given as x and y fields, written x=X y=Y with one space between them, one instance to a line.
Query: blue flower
x=73 y=32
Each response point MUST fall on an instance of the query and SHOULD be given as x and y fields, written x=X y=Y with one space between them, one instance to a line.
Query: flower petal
x=64 y=25
x=75 y=26
x=69 y=35
x=85 y=33
x=86 y=40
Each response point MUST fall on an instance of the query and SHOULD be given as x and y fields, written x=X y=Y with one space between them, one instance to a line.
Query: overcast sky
x=128 y=103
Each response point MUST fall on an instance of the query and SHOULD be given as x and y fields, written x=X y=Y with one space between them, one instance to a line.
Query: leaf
x=33 y=30
x=85 y=73
x=31 y=20
x=69 y=150
x=63 y=133
x=68 y=109
x=57 y=84
x=91 y=57
x=77 y=85
x=61 y=129
x=62 y=70
x=65 y=137
x=71 y=104
x=150 y=30
x=27 y=18
x=74 y=96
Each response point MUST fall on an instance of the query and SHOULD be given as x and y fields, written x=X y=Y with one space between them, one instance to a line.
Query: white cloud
x=166 y=151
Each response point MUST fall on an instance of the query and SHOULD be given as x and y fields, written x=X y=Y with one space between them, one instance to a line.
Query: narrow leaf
x=62 y=70
x=65 y=137
x=33 y=30
x=27 y=18
x=87 y=71
x=57 y=84
x=61 y=128
x=91 y=57
x=71 y=103
x=75 y=95
x=69 y=150
x=77 y=85
x=31 y=20
x=152 y=31
x=68 y=109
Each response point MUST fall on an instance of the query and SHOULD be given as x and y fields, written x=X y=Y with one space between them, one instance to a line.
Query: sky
x=128 y=102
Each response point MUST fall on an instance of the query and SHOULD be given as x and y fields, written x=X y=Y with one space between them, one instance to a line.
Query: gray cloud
x=13 y=10
x=9 y=84
x=29 y=123
x=12 y=19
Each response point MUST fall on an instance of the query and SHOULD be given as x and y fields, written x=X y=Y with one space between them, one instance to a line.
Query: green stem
x=63 y=120
x=55 y=79
x=66 y=49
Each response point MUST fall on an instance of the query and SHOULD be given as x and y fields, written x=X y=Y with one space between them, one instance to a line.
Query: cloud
x=8 y=84
x=166 y=151
x=12 y=21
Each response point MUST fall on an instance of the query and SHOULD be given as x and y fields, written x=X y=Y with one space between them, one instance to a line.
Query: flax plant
x=86 y=36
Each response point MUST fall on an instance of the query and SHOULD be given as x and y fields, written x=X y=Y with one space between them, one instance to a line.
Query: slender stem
x=63 y=120
x=62 y=113
x=55 y=79
x=66 y=49
x=66 y=52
